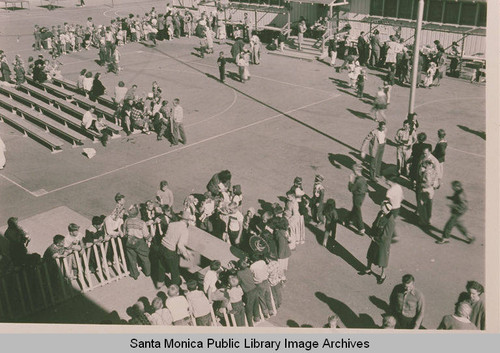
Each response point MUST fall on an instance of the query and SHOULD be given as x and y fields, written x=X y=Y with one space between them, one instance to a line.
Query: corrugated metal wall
x=359 y=6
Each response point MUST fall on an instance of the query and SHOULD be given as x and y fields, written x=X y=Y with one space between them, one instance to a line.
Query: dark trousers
x=424 y=207
x=239 y=313
x=204 y=320
x=172 y=261
x=137 y=251
x=222 y=73
x=361 y=88
x=404 y=323
x=453 y=222
x=317 y=211
x=252 y=306
x=376 y=162
x=355 y=216
x=264 y=291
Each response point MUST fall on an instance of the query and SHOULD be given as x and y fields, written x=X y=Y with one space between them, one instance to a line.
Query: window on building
x=405 y=8
x=376 y=7
x=468 y=14
x=391 y=8
x=435 y=11
x=451 y=12
x=481 y=19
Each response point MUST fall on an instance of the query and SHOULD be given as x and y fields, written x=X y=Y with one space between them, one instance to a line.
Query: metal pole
x=416 y=52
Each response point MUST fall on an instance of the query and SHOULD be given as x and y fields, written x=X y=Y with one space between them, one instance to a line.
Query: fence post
x=122 y=253
x=8 y=310
x=28 y=291
x=42 y=289
x=100 y=275
x=80 y=270
x=20 y=294
x=116 y=260
x=104 y=257
x=49 y=283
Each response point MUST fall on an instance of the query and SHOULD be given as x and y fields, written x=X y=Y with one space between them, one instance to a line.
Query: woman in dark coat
x=381 y=235
x=97 y=88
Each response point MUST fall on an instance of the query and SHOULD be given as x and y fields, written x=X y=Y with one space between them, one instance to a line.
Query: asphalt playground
x=293 y=118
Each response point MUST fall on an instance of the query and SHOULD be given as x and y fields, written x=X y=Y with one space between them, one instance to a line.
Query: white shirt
x=395 y=195
x=87 y=119
x=380 y=136
x=178 y=307
x=259 y=270
x=120 y=93
x=210 y=281
x=178 y=114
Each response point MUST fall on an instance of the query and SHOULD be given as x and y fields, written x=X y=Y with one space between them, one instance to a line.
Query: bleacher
x=51 y=113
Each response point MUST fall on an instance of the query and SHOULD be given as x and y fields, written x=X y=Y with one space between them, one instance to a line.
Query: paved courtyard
x=293 y=118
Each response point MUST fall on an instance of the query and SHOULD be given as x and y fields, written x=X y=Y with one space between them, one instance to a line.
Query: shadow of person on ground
x=340 y=83
x=338 y=160
x=337 y=249
x=359 y=114
x=379 y=303
x=346 y=315
x=481 y=134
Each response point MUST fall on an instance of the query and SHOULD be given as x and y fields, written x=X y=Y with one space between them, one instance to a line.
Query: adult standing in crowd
x=300 y=35
x=374 y=145
x=97 y=89
x=394 y=195
x=375 y=46
x=177 y=121
x=407 y=304
x=381 y=235
x=440 y=151
x=358 y=187
x=362 y=48
x=136 y=247
x=173 y=245
x=404 y=141
x=475 y=292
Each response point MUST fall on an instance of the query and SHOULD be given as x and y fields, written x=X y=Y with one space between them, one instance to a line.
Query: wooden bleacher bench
x=14 y=2
x=59 y=91
x=71 y=85
x=27 y=128
x=50 y=125
x=58 y=114
x=78 y=100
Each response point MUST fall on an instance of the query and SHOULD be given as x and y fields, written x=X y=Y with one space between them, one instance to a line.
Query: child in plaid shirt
x=275 y=280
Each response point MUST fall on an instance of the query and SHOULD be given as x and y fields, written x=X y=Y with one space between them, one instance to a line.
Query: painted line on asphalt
x=186 y=146
x=18 y=185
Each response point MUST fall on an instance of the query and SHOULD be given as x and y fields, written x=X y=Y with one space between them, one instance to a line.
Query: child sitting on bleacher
x=178 y=307
x=161 y=316
x=199 y=304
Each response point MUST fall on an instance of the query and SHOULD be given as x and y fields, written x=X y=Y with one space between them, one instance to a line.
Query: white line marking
x=20 y=186
x=187 y=146
x=235 y=98
x=454 y=99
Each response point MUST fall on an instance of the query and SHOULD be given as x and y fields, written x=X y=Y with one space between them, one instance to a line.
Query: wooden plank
x=64 y=93
x=30 y=129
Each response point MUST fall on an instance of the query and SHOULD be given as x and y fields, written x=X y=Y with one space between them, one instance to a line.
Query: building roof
x=321 y=2
x=430 y=26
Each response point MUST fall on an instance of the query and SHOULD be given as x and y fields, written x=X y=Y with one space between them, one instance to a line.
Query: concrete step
x=294 y=54
x=305 y=50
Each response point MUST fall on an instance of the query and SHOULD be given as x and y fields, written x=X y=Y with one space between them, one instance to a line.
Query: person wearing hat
x=358 y=187
x=136 y=247
x=458 y=208
x=374 y=145
x=381 y=236
x=394 y=194
x=173 y=245
x=318 y=196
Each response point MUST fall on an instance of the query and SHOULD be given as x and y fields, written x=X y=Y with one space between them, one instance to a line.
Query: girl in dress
x=430 y=75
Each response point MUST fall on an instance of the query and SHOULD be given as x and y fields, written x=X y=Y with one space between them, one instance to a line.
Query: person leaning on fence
x=136 y=248
x=261 y=280
x=93 y=235
x=178 y=307
x=55 y=251
x=275 y=280
x=236 y=299
x=73 y=243
x=199 y=304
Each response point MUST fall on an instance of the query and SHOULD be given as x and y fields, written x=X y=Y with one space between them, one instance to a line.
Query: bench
x=58 y=91
x=48 y=109
x=50 y=125
x=14 y=2
x=29 y=129
x=105 y=111
x=72 y=86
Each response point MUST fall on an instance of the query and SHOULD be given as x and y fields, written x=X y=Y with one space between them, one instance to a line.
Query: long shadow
x=293 y=323
x=340 y=83
x=338 y=250
x=347 y=92
x=338 y=160
x=359 y=114
x=379 y=303
x=288 y=116
x=481 y=134
x=346 y=315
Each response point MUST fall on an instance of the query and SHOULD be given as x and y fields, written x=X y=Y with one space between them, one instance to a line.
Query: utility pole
x=416 y=54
